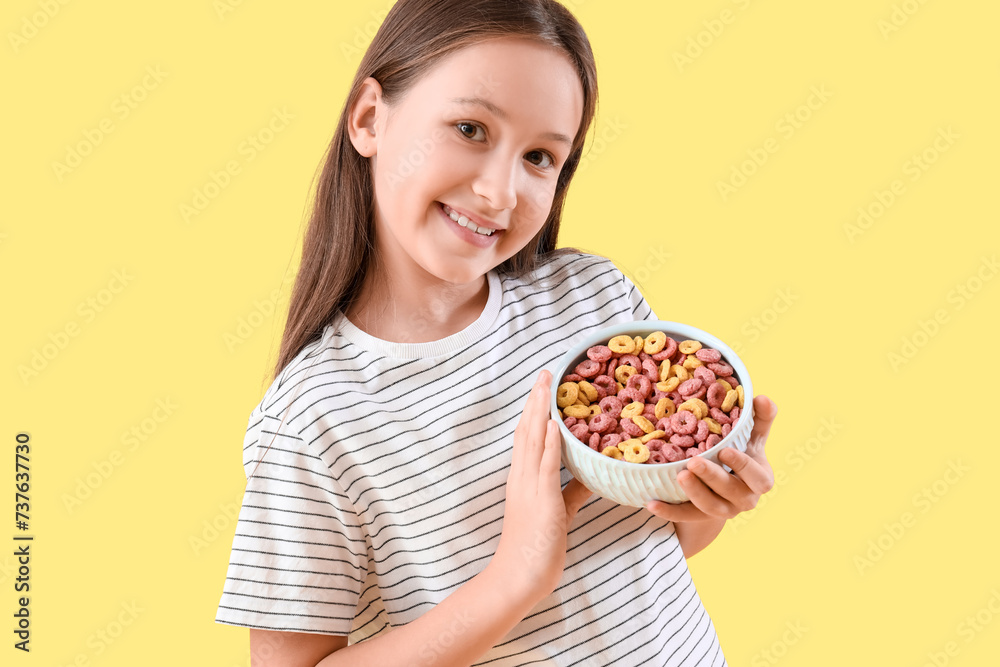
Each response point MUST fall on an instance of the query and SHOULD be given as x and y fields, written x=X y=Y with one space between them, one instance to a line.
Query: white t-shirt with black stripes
x=376 y=480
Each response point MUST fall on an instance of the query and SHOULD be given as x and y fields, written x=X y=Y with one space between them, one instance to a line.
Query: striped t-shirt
x=376 y=480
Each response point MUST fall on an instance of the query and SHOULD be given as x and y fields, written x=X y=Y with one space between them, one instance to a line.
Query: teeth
x=468 y=224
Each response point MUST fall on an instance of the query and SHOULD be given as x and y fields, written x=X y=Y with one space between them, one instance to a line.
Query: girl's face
x=465 y=165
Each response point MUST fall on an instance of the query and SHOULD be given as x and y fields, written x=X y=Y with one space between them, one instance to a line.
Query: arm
x=526 y=567
x=717 y=496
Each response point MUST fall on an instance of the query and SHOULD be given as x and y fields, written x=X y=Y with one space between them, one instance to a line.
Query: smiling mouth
x=468 y=224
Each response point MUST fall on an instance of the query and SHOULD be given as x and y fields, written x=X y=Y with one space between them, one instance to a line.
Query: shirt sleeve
x=299 y=555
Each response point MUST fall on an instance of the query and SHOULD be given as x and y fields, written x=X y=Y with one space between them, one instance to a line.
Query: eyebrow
x=503 y=115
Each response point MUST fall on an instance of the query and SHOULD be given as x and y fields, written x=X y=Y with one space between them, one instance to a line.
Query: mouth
x=463 y=221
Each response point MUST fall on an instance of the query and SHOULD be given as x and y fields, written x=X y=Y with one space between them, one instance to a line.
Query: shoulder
x=565 y=269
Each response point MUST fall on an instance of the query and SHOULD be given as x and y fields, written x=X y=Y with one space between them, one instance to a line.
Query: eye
x=543 y=156
x=466 y=128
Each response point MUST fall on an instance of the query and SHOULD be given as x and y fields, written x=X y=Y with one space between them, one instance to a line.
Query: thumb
x=575 y=494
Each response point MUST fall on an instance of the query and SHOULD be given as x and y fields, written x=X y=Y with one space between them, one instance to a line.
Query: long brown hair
x=338 y=251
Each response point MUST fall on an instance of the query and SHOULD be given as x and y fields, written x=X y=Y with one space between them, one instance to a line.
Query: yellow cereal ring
x=654 y=342
x=695 y=405
x=669 y=385
x=729 y=401
x=566 y=394
x=588 y=390
x=682 y=374
x=713 y=426
x=638 y=453
x=613 y=452
x=623 y=373
x=581 y=399
x=692 y=363
x=689 y=346
x=643 y=423
x=664 y=408
x=739 y=390
x=652 y=435
x=578 y=411
x=622 y=344
x=632 y=409
x=664 y=369
x=595 y=409
x=625 y=444
x=722 y=383
x=638 y=341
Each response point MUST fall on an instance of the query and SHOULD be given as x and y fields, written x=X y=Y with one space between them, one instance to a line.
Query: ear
x=362 y=117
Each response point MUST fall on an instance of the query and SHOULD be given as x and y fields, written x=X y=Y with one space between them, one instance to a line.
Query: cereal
x=621 y=345
x=650 y=399
x=566 y=394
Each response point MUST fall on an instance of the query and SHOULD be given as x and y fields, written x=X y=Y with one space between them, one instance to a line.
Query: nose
x=497 y=181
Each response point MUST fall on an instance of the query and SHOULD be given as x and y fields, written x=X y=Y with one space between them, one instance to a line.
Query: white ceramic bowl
x=636 y=484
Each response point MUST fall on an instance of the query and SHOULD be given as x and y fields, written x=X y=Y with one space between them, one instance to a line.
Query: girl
x=405 y=503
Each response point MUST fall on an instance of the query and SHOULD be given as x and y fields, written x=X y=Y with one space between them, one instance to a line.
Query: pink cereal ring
x=708 y=355
x=716 y=394
x=712 y=440
x=631 y=428
x=734 y=414
x=595 y=441
x=607 y=383
x=613 y=405
x=663 y=424
x=701 y=432
x=681 y=440
x=571 y=422
x=610 y=440
x=603 y=422
x=588 y=368
x=630 y=395
x=721 y=368
x=599 y=353
x=656 y=457
x=641 y=384
x=651 y=370
x=705 y=374
x=630 y=360
x=573 y=377
x=719 y=416
x=726 y=428
x=672 y=452
x=690 y=387
x=732 y=381
x=683 y=422
x=649 y=412
x=580 y=431
x=669 y=349
x=655 y=444
x=703 y=446
x=612 y=365
x=691 y=452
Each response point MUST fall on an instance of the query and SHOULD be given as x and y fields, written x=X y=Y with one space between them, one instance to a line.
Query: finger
x=575 y=494
x=709 y=482
x=548 y=467
x=755 y=472
x=676 y=512
x=529 y=434
x=764 y=411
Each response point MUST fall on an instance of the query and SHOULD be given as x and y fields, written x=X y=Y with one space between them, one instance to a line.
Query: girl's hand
x=716 y=494
x=537 y=514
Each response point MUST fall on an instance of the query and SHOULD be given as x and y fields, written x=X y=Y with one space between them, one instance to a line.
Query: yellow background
x=845 y=549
